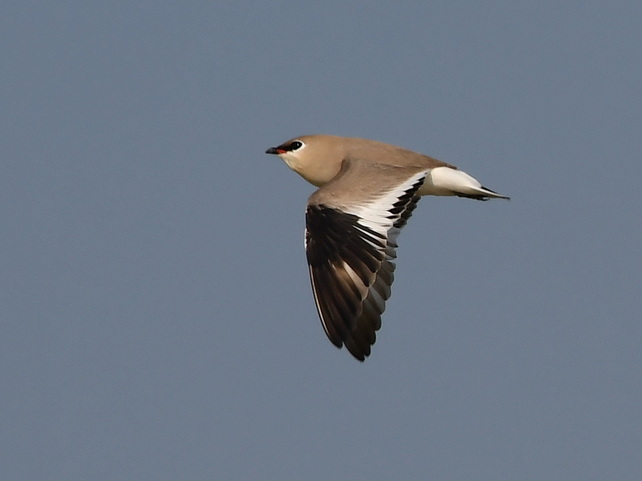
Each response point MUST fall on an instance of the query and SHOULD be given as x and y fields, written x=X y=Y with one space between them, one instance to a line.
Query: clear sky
x=157 y=320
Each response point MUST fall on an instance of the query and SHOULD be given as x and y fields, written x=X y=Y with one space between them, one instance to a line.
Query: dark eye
x=296 y=145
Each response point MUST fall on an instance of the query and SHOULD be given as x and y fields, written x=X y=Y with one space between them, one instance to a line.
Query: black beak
x=272 y=150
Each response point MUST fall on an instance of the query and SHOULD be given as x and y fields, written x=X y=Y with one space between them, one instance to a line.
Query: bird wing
x=352 y=224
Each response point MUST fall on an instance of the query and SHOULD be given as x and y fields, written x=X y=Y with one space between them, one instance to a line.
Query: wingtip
x=491 y=194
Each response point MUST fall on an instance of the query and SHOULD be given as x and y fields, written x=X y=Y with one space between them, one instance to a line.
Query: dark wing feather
x=350 y=253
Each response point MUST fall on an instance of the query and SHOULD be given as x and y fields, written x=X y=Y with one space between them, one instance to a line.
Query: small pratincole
x=367 y=192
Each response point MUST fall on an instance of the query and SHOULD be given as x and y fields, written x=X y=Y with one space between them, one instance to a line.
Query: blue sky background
x=157 y=320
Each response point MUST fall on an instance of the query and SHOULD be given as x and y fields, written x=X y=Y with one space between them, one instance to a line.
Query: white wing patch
x=382 y=213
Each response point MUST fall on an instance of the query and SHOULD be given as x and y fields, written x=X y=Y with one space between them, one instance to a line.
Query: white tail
x=449 y=181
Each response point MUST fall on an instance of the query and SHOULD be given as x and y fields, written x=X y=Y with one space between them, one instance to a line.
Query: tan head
x=316 y=158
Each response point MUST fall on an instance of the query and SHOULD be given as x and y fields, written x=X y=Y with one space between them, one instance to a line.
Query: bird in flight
x=366 y=193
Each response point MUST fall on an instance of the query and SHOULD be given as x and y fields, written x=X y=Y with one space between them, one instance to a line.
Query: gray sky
x=157 y=319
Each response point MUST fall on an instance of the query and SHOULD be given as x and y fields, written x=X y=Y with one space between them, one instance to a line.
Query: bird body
x=331 y=150
x=367 y=192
